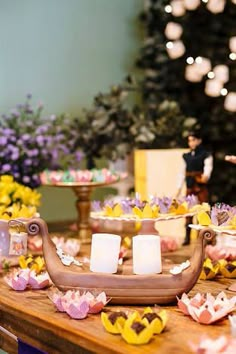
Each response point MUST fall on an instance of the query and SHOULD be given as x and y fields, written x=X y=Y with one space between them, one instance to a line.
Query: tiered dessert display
x=82 y=182
x=146 y=212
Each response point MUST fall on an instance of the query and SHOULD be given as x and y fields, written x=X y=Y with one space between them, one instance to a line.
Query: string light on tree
x=211 y=75
x=168 y=9
x=223 y=91
x=175 y=49
x=216 y=6
x=173 y=30
x=230 y=102
x=192 y=73
x=213 y=88
x=191 y=4
x=232 y=44
x=232 y=56
x=221 y=73
x=190 y=60
x=178 y=8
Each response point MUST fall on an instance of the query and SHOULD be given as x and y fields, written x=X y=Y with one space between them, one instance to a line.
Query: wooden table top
x=31 y=316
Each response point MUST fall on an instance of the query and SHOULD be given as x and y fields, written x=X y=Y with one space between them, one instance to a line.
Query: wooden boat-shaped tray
x=122 y=287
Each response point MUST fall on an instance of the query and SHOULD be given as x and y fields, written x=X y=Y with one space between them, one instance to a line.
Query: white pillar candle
x=146 y=254
x=105 y=251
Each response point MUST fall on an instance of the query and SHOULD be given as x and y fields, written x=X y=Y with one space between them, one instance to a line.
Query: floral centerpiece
x=30 y=143
x=16 y=200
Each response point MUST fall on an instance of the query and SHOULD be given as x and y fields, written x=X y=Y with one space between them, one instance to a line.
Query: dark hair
x=195 y=133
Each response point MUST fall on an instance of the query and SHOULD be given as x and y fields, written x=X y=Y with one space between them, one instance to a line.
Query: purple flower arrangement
x=30 y=143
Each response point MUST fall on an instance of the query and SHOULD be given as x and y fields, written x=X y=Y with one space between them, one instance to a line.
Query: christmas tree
x=189 y=56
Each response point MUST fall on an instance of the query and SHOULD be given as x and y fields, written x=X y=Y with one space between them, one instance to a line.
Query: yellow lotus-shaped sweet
x=156 y=319
x=209 y=270
x=227 y=269
x=113 y=322
x=148 y=212
x=136 y=331
x=116 y=211
x=203 y=218
x=233 y=222
x=182 y=209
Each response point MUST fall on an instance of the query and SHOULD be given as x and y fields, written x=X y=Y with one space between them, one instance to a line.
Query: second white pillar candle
x=146 y=254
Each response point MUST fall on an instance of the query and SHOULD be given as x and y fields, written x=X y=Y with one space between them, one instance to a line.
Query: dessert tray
x=124 y=287
x=75 y=178
x=163 y=217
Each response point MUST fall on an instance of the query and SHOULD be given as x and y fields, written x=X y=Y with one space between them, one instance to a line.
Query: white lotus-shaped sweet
x=207 y=309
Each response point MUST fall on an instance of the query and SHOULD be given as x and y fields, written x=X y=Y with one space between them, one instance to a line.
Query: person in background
x=196 y=170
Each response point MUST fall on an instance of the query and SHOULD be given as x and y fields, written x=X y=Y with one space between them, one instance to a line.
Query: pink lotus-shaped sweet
x=78 y=309
x=35 y=243
x=210 y=346
x=96 y=303
x=39 y=281
x=18 y=279
x=72 y=302
x=70 y=246
x=207 y=309
x=215 y=253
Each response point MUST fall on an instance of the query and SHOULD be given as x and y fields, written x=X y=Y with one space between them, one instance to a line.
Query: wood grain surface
x=31 y=316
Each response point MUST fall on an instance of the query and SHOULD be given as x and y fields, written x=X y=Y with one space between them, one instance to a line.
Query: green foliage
x=207 y=35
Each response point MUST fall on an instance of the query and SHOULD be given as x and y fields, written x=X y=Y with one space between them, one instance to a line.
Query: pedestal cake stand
x=83 y=192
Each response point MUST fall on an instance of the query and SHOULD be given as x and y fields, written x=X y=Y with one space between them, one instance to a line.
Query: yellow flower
x=209 y=270
x=36 y=264
x=5 y=199
x=114 y=321
x=228 y=269
x=156 y=319
x=6 y=179
x=136 y=331
x=24 y=262
x=148 y=212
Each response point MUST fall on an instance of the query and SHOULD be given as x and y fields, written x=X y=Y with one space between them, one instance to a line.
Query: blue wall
x=64 y=52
